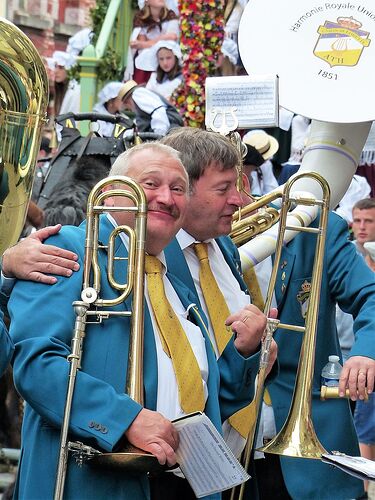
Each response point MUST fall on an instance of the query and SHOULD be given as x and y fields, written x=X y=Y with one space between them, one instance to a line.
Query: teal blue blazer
x=6 y=345
x=348 y=281
x=42 y=325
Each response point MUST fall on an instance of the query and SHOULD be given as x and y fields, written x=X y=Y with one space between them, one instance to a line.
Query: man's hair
x=365 y=204
x=200 y=148
x=124 y=161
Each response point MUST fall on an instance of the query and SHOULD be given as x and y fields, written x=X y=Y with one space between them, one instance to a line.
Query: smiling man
x=103 y=415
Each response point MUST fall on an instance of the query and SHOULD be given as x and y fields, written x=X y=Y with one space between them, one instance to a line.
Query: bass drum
x=323 y=56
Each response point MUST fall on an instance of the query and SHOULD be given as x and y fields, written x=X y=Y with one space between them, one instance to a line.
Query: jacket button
x=91 y=424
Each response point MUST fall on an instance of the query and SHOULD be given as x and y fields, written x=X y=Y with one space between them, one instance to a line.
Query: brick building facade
x=49 y=23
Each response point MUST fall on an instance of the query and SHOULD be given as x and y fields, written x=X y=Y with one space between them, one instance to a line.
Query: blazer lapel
x=233 y=260
x=177 y=264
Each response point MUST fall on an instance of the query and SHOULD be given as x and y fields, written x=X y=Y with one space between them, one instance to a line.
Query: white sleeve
x=151 y=84
x=269 y=180
x=173 y=27
x=150 y=103
x=129 y=70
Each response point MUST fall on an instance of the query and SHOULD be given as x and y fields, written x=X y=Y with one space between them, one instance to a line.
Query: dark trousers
x=270 y=479
x=168 y=486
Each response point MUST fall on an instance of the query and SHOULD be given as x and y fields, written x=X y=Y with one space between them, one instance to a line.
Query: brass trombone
x=245 y=227
x=297 y=438
x=92 y=304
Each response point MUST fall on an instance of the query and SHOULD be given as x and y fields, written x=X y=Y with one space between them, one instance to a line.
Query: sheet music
x=254 y=99
x=356 y=466
x=205 y=459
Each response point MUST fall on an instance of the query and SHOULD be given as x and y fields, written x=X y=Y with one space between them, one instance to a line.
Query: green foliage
x=73 y=73
x=97 y=14
x=110 y=65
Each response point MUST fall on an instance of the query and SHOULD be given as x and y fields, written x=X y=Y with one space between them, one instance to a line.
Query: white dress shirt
x=235 y=298
x=167 y=392
x=150 y=103
x=166 y=87
x=105 y=129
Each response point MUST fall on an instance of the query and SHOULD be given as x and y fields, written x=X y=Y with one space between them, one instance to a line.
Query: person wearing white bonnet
x=109 y=103
x=164 y=60
x=171 y=4
x=67 y=93
x=152 y=23
x=262 y=177
x=228 y=58
x=78 y=42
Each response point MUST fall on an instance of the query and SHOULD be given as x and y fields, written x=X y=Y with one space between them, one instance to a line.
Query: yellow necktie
x=252 y=284
x=174 y=340
x=218 y=312
x=216 y=306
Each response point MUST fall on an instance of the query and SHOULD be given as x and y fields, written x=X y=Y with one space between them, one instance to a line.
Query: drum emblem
x=341 y=43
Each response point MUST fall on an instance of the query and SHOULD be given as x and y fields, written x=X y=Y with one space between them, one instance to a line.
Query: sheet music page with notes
x=253 y=100
x=355 y=466
x=204 y=457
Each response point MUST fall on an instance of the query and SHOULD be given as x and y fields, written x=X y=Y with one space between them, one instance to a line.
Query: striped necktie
x=174 y=341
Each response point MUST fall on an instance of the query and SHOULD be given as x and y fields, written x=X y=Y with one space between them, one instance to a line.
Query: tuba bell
x=23 y=106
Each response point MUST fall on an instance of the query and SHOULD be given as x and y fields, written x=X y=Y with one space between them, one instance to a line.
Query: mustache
x=170 y=210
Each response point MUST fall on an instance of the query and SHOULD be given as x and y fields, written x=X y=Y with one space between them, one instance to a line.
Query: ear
x=246 y=183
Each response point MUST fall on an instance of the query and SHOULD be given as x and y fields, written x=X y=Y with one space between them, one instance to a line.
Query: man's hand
x=151 y=432
x=248 y=324
x=30 y=259
x=357 y=374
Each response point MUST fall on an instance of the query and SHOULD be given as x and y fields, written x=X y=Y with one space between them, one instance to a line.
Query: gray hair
x=124 y=161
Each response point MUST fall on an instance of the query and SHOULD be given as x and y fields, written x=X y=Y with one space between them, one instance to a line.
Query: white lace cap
x=109 y=91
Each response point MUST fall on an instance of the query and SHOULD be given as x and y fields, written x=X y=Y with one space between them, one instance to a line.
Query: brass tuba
x=23 y=106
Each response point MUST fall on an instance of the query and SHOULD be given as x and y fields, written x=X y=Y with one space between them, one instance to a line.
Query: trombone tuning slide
x=333 y=393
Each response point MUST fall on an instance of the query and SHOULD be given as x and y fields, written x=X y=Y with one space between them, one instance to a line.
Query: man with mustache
x=103 y=416
x=211 y=162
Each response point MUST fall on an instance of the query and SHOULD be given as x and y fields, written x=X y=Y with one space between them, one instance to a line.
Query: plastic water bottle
x=331 y=372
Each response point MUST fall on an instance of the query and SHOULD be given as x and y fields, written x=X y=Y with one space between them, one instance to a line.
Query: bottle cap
x=333 y=358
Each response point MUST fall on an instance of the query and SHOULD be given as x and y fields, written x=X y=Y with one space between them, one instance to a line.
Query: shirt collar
x=125 y=241
x=185 y=239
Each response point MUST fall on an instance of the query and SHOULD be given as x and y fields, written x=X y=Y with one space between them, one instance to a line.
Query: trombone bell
x=133 y=460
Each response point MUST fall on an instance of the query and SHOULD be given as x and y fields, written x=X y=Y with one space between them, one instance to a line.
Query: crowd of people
x=203 y=317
